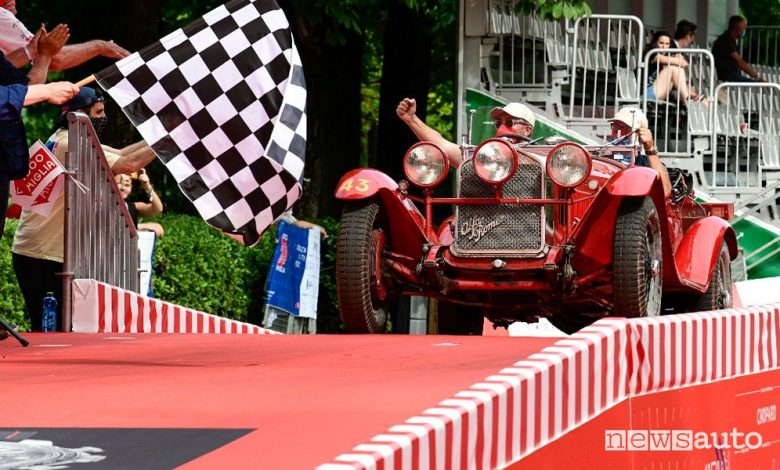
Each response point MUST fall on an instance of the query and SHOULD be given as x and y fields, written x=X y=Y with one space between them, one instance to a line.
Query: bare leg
x=668 y=78
x=681 y=83
x=663 y=83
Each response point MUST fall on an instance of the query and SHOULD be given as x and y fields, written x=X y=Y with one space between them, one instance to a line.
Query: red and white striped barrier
x=506 y=417
x=697 y=348
x=102 y=308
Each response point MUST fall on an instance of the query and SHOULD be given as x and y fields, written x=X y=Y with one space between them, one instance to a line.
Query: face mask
x=504 y=130
x=99 y=123
x=742 y=34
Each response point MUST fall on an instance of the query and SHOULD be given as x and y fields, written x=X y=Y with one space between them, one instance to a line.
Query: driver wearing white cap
x=515 y=120
x=630 y=121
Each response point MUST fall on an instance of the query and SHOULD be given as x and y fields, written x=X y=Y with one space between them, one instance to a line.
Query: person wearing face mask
x=630 y=126
x=38 y=246
x=729 y=65
x=514 y=120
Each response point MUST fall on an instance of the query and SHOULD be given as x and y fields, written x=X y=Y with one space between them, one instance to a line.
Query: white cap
x=631 y=116
x=515 y=110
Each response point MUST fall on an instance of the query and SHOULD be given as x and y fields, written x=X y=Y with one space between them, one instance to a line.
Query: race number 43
x=360 y=186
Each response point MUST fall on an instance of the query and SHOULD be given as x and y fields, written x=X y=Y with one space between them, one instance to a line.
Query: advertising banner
x=42 y=185
x=293 y=280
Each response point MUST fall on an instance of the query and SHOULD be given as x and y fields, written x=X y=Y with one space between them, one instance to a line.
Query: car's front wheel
x=363 y=292
x=637 y=260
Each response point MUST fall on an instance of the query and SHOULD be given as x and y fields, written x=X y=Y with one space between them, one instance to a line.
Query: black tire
x=719 y=294
x=637 y=260
x=456 y=319
x=364 y=305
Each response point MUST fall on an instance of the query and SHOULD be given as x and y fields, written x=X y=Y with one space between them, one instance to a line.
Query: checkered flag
x=222 y=103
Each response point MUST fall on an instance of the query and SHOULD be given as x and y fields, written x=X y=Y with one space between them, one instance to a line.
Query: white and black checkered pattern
x=222 y=103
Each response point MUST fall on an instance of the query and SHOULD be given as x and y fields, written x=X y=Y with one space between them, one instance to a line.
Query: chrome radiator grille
x=500 y=229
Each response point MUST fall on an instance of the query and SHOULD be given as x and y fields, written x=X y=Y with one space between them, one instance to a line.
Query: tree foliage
x=555 y=9
x=761 y=12
x=342 y=45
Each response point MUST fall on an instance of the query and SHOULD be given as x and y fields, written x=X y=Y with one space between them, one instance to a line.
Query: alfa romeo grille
x=500 y=229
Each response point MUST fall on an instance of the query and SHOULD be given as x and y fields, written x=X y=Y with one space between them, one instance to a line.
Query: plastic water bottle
x=49 y=313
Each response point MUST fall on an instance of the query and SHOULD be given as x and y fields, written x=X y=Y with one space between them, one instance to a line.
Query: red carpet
x=304 y=399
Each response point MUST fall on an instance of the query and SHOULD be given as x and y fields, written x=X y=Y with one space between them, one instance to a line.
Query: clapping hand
x=49 y=44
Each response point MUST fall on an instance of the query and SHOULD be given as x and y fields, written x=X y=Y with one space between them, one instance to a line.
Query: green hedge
x=11 y=300
x=198 y=267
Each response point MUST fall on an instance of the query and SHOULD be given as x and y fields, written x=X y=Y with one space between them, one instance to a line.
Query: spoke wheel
x=637 y=260
x=363 y=293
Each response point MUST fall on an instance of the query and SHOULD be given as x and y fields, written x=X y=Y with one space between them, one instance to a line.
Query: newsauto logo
x=678 y=440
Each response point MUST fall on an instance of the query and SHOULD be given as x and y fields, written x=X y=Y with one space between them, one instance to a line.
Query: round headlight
x=495 y=161
x=426 y=164
x=568 y=164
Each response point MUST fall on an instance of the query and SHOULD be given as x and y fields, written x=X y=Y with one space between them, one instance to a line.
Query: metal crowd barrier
x=760 y=45
x=745 y=142
x=101 y=241
x=526 y=46
x=605 y=65
x=674 y=120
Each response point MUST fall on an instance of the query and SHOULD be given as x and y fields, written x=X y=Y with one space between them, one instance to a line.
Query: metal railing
x=605 y=65
x=760 y=45
x=527 y=46
x=674 y=117
x=745 y=142
x=101 y=241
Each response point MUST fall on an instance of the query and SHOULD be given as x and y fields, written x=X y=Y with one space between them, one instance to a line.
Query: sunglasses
x=509 y=122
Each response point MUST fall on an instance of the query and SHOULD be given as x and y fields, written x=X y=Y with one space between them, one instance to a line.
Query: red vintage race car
x=564 y=231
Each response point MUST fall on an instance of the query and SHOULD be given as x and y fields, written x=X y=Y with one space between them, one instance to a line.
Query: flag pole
x=85 y=81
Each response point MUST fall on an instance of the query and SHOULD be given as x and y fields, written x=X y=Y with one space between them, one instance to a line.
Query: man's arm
x=73 y=55
x=49 y=44
x=646 y=137
x=406 y=111
x=134 y=160
x=54 y=93
x=19 y=57
x=126 y=150
x=744 y=66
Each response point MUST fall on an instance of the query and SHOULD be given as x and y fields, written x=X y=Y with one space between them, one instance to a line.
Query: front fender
x=595 y=233
x=407 y=226
x=363 y=183
x=633 y=181
x=699 y=249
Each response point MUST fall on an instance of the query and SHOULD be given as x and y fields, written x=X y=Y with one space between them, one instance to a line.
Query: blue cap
x=85 y=98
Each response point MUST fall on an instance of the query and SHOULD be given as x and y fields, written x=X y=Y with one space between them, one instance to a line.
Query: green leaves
x=198 y=267
x=11 y=300
x=554 y=9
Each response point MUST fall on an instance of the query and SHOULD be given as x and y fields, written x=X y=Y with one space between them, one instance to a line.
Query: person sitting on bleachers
x=667 y=72
x=729 y=64
x=684 y=34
